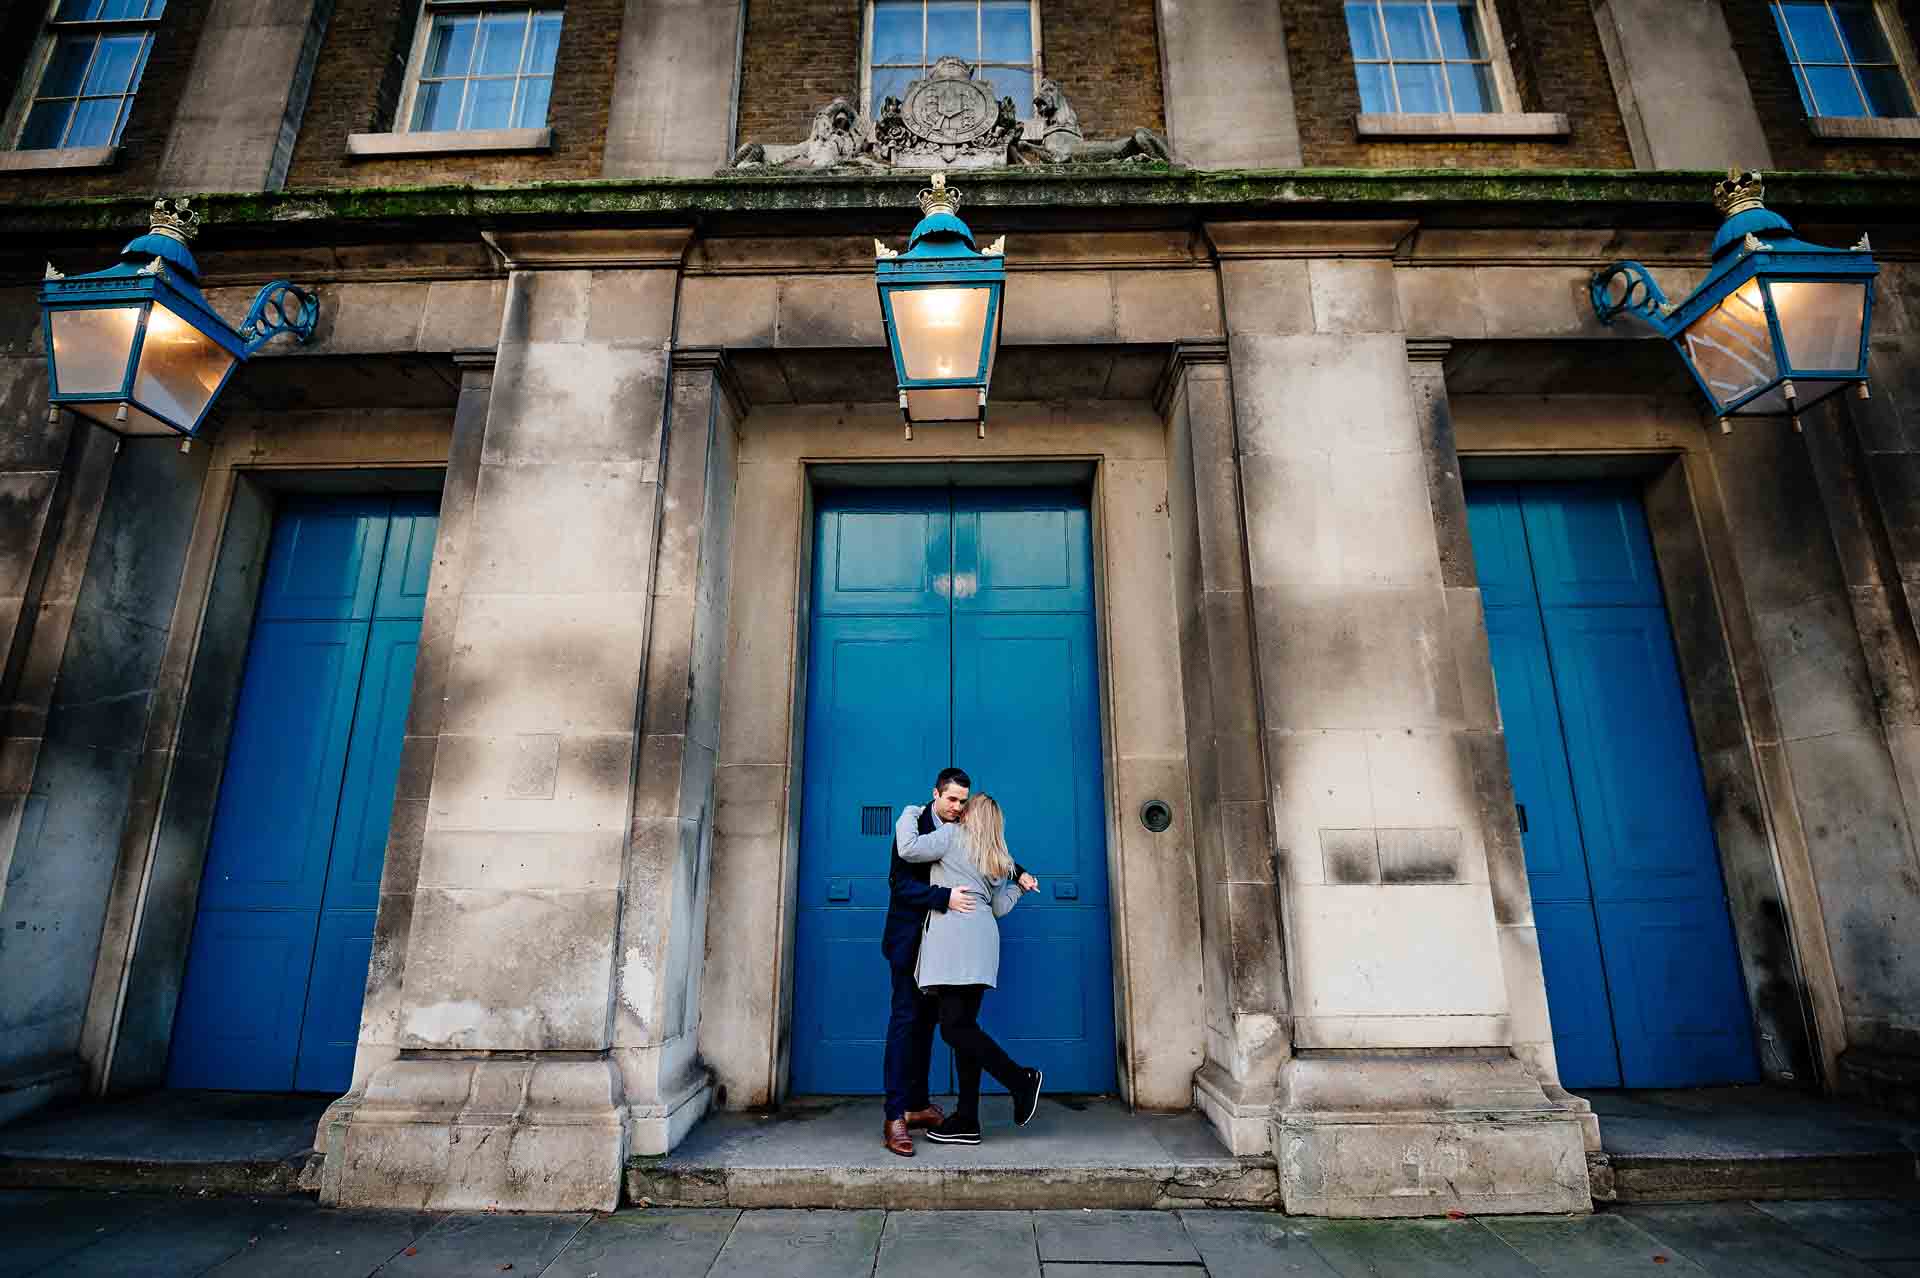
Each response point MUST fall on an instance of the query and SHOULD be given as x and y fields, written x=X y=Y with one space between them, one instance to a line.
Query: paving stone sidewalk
x=137 y=1236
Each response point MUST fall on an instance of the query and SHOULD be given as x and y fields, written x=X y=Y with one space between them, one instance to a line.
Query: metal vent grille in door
x=876 y=820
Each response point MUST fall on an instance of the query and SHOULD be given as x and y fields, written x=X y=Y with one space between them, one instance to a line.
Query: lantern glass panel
x=180 y=368
x=940 y=331
x=1820 y=321
x=1731 y=346
x=945 y=404
x=90 y=348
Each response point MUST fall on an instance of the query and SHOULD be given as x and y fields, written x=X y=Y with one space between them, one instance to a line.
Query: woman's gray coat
x=955 y=948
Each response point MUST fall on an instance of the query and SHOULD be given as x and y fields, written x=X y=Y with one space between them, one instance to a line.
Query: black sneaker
x=1027 y=1099
x=958 y=1130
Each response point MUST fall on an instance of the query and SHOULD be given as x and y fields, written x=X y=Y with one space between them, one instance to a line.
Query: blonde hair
x=986 y=832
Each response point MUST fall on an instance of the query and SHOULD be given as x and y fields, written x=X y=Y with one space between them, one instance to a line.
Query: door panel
x=277 y=966
x=1643 y=980
x=977 y=647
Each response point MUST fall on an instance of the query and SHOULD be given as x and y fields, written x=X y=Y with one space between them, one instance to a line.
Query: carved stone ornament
x=950 y=121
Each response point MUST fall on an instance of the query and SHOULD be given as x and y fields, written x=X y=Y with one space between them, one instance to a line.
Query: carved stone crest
x=951 y=121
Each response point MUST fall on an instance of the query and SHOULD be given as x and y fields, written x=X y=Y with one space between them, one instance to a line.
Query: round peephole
x=1156 y=815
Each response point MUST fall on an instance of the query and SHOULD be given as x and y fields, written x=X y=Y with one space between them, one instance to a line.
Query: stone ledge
x=390 y=146
x=1840 y=128
x=1409 y=127
x=73 y=157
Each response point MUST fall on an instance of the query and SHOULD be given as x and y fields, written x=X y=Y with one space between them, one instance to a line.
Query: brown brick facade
x=1756 y=41
x=1558 y=64
x=357 y=82
x=801 y=54
x=144 y=139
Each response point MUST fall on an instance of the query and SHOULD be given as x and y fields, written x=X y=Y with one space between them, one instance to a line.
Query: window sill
x=382 y=146
x=75 y=157
x=1535 y=124
x=1848 y=128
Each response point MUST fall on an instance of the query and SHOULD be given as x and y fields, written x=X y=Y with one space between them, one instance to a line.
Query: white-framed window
x=1844 y=62
x=84 y=73
x=1000 y=39
x=480 y=66
x=1428 y=57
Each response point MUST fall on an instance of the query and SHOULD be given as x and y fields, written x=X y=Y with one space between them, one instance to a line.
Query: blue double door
x=1643 y=981
x=953 y=626
x=284 y=932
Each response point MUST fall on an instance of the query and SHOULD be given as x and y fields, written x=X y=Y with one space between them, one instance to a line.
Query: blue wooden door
x=953 y=626
x=284 y=930
x=1643 y=982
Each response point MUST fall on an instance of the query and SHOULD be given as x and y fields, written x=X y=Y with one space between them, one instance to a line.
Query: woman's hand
x=960 y=901
x=1029 y=884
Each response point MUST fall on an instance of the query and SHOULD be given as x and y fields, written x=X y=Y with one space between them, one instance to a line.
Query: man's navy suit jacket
x=909 y=899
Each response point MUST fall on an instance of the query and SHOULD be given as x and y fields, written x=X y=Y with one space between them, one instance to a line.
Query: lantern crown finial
x=176 y=218
x=1738 y=192
x=939 y=198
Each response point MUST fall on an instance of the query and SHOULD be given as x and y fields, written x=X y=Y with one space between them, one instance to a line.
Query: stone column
x=675 y=89
x=1244 y=964
x=1403 y=1095
x=1229 y=95
x=1682 y=92
x=669 y=859
x=240 y=111
x=507 y=1091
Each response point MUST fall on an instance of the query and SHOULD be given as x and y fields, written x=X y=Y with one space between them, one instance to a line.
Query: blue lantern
x=940 y=301
x=137 y=348
x=1778 y=324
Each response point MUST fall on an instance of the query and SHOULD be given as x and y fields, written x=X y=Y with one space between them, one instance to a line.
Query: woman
x=960 y=960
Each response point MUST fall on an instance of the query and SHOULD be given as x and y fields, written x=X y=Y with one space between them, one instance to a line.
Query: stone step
x=1709 y=1178
x=1075 y=1153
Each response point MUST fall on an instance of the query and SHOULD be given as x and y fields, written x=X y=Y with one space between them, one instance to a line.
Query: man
x=911 y=1020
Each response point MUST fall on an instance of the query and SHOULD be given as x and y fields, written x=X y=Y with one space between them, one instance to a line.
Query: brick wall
x=357 y=81
x=1756 y=41
x=1558 y=64
x=144 y=138
x=801 y=54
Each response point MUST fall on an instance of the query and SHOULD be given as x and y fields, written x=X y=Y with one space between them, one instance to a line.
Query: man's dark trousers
x=911 y=1019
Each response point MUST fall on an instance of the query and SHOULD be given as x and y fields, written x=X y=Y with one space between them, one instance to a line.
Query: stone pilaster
x=1244 y=964
x=1682 y=92
x=244 y=98
x=506 y=1091
x=1403 y=1094
x=1229 y=95
x=675 y=89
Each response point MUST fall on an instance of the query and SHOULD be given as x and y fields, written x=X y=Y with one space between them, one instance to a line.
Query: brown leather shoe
x=931 y=1116
x=897 y=1138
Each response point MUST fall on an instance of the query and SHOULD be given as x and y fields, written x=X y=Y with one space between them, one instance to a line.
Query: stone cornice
x=1180 y=360
x=1277 y=238
x=713 y=361
x=587 y=248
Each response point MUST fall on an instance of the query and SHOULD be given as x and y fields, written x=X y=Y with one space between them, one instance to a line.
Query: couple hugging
x=951 y=880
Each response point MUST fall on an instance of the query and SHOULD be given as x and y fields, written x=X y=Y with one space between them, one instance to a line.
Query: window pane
x=1834 y=92
x=1806 y=94
x=489 y=104
x=950 y=30
x=1459 y=30
x=891 y=82
x=1409 y=33
x=452 y=47
x=1376 y=92
x=113 y=65
x=117 y=9
x=1813 y=34
x=77 y=10
x=156 y=7
x=1420 y=91
x=1472 y=86
x=1006 y=31
x=1363 y=29
x=501 y=38
x=546 y=44
x=67 y=66
x=1886 y=95
x=46 y=124
x=438 y=106
x=93 y=122
x=532 y=111
x=1860 y=28
x=896 y=32
x=1009 y=83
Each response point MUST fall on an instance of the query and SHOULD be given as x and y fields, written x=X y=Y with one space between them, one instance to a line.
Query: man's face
x=950 y=801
